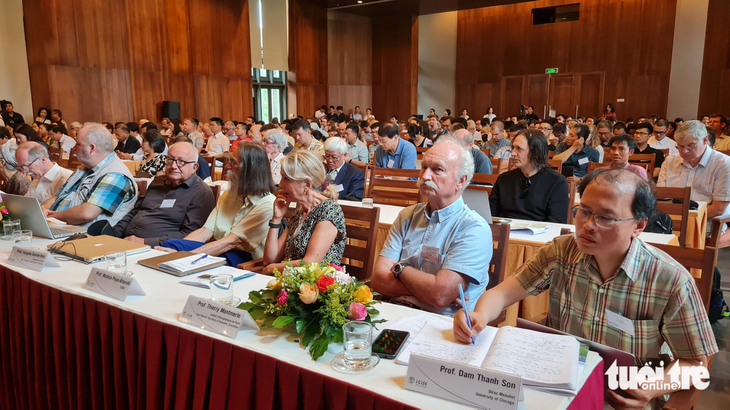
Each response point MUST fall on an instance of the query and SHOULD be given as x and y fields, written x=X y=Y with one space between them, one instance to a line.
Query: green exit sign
x=551 y=71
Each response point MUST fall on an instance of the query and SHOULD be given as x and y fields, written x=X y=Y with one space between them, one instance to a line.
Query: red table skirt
x=590 y=396
x=64 y=351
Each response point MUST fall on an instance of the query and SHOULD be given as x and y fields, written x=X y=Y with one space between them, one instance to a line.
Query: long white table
x=166 y=297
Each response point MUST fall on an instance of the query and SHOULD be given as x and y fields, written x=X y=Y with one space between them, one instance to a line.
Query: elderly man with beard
x=433 y=247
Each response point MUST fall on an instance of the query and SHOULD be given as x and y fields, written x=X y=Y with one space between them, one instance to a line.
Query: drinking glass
x=221 y=288
x=10 y=226
x=116 y=262
x=23 y=238
x=358 y=344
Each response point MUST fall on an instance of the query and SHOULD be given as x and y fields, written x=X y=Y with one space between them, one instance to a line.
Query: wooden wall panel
x=117 y=60
x=630 y=40
x=395 y=66
x=308 y=55
x=714 y=95
x=349 y=53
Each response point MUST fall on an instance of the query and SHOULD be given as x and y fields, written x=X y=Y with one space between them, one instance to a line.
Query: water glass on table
x=358 y=338
x=10 y=226
x=23 y=238
x=117 y=262
x=221 y=289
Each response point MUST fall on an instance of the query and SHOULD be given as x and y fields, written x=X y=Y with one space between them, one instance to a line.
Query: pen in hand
x=466 y=310
x=199 y=259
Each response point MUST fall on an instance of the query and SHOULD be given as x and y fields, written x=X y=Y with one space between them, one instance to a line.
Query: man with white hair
x=103 y=189
x=482 y=164
x=349 y=180
x=699 y=166
x=433 y=247
x=275 y=143
x=48 y=177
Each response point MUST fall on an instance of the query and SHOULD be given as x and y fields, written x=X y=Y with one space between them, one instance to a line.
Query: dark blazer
x=352 y=180
x=132 y=145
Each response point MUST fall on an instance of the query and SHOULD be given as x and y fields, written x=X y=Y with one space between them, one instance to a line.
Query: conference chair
x=556 y=165
x=551 y=154
x=141 y=187
x=56 y=155
x=216 y=192
x=385 y=189
x=496 y=163
x=486 y=151
x=211 y=163
x=606 y=154
x=571 y=199
x=679 y=205
x=592 y=166
x=226 y=167
x=419 y=152
x=646 y=161
x=483 y=182
x=717 y=239
x=498 y=264
x=665 y=151
x=73 y=161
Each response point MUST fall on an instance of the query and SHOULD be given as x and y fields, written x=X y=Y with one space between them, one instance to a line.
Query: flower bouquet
x=317 y=298
x=4 y=212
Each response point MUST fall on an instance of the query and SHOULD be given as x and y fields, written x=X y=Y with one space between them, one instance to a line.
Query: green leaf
x=310 y=333
x=245 y=305
x=301 y=325
x=373 y=312
x=255 y=297
x=282 y=321
x=338 y=337
x=256 y=312
x=319 y=347
x=268 y=321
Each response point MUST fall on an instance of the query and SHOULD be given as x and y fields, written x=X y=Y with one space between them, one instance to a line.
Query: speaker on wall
x=171 y=109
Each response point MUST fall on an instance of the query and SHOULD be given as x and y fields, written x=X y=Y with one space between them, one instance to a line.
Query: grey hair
x=276 y=136
x=466 y=161
x=230 y=124
x=336 y=144
x=194 y=150
x=99 y=135
x=8 y=155
x=35 y=150
x=463 y=137
x=691 y=129
x=471 y=125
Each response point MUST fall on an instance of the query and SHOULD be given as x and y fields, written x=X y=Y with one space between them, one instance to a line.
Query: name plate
x=216 y=317
x=29 y=258
x=462 y=383
x=112 y=284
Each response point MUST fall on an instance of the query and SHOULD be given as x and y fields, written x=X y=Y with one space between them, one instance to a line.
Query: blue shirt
x=462 y=238
x=494 y=146
x=404 y=157
x=579 y=160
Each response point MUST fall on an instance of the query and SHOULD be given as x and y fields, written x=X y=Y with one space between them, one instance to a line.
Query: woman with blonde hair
x=595 y=141
x=316 y=231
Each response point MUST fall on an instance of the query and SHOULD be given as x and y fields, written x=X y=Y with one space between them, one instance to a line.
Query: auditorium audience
x=394 y=152
x=16 y=183
x=604 y=128
x=498 y=140
x=316 y=230
x=126 y=147
x=348 y=179
x=44 y=116
x=660 y=138
x=433 y=247
x=275 y=144
x=176 y=203
x=622 y=147
x=357 y=151
x=153 y=146
x=10 y=117
x=48 y=177
x=25 y=133
x=532 y=191
x=418 y=133
x=203 y=170
x=237 y=225
x=218 y=144
x=303 y=134
x=482 y=164
x=575 y=153
x=641 y=136
x=719 y=123
x=66 y=143
x=190 y=128
x=434 y=127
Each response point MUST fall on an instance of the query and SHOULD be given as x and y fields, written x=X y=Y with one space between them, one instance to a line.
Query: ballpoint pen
x=205 y=255
x=244 y=276
x=466 y=311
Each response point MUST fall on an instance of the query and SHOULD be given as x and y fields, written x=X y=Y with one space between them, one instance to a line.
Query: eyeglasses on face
x=601 y=221
x=180 y=162
x=687 y=147
x=25 y=168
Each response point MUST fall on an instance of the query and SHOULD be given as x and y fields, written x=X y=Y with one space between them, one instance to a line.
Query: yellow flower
x=274 y=284
x=363 y=294
x=308 y=293
x=327 y=270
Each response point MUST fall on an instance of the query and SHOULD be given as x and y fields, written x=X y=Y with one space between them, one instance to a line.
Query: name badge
x=583 y=161
x=216 y=317
x=168 y=203
x=430 y=254
x=619 y=322
x=29 y=258
x=391 y=163
x=114 y=285
x=339 y=188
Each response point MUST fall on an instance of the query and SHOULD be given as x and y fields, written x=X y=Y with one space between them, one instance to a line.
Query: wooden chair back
x=644 y=160
x=496 y=163
x=665 y=151
x=483 y=182
x=141 y=187
x=211 y=163
x=551 y=154
x=420 y=151
x=224 y=170
x=556 y=165
x=717 y=239
x=606 y=154
x=73 y=161
x=498 y=264
x=486 y=151
x=592 y=166
x=216 y=192
x=571 y=199
x=691 y=258
x=384 y=189
x=56 y=155
x=362 y=237
x=679 y=209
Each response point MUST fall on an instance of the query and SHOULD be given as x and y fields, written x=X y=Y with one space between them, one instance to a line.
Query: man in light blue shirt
x=394 y=152
x=497 y=140
x=435 y=246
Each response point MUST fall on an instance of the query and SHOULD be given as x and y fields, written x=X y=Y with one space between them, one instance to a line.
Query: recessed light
x=359 y=1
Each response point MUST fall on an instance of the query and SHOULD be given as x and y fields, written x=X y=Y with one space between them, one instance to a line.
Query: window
x=269 y=94
x=547 y=15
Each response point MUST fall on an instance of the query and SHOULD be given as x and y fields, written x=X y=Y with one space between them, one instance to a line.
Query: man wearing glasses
x=175 y=204
x=641 y=135
x=659 y=139
x=607 y=285
x=699 y=166
x=349 y=180
x=48 y=177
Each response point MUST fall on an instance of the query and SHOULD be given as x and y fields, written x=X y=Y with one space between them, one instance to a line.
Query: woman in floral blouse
x=153 y=145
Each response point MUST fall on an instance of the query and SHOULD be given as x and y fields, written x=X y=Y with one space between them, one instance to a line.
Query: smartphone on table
x=389 y=343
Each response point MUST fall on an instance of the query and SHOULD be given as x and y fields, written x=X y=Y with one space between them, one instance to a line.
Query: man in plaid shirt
x=606 y=267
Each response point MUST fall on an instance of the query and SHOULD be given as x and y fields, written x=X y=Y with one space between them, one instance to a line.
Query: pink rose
x=358 y=311
x=337 y=267
x=282 y=298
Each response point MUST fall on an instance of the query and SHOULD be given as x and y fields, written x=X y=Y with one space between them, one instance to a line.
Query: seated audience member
x=153 y=146
x=622 y=147
x=44 y=131
x=10 y=117
x=275 y=144
x=660 y=138
x=606 y=267
x=5 y=136
x=48 y=177
x=560 y=133
x=546 y=127
x=641 y=136
x=101 y=189
x=348 y=180
x=218 y=144
x=133 y=131
x=532 y=191
x=434 y=128
x=316 y=231
x=203 y=170
x=44 y=116
x=619 y=128
x=418 y=136
x=498 y=140
x=65 y=142
x=176 y=203
x=482 y=164
x=303 y=134
x=372 y=149
x=604 y=128
x=190 y=128
x=25 y=133
x=16 y=183
x=699 y=166
x=393 y=151
x=127 y=147
x=433 y=247
x=238 y=222
x=718 y=122
x=575 y=153
x=357 y=151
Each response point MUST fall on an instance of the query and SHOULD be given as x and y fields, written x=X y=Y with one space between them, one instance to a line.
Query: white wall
x=437 y=63
x=14 y=75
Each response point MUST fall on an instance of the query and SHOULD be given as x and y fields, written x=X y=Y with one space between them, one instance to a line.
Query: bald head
x=182 y=162
x=464 y=137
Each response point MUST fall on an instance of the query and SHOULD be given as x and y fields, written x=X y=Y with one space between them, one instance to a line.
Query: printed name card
x=462 y=383
x=30 y=258
x=112 y=284
x=216 y=317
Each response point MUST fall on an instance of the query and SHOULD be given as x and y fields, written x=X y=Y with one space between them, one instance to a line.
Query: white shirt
x=665 y=143
x=722 y=143
x=710 y=179
x=165 y=132
x=47 y=185
x=218 y=144
x=66 y=143
x=276 y=168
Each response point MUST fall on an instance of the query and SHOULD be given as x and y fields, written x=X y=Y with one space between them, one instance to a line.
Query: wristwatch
x=397 y=269
x=273 y=225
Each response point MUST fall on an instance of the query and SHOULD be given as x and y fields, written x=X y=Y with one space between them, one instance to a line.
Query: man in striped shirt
x=606 y=267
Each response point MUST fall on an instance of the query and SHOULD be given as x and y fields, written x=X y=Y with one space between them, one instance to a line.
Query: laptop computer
x=478 y=201
x=93 y=248
x=29 y=211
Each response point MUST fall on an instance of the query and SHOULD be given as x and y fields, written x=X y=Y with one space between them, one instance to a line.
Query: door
x=590 y=95
x=512 y=87
x=561 y=94
x=537 y=94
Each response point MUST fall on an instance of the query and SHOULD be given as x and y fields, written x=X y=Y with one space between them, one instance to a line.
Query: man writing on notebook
x=435 y=246
x=607 y=285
